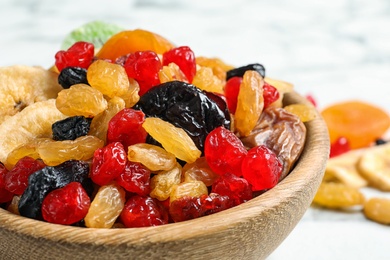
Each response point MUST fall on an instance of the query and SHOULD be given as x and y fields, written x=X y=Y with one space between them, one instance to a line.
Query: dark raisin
x=71 y=128
x=72 y=75
x=185 y=106
x=239 y=72
x=380 y=141
x=48 y=179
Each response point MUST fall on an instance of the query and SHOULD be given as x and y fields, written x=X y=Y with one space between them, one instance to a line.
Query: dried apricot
x=378 y=210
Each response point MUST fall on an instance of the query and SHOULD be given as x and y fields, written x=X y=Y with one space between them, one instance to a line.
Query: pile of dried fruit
x=359 y=158
x=142 y=133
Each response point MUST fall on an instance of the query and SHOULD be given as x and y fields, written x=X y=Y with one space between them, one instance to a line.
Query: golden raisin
x=206 y=80
x=151 y=156
x=304 y=112
x=170 y=73
x=217 y=65
x=199 y=171
x=174 y=140
x=163 y=183
x=193 y=189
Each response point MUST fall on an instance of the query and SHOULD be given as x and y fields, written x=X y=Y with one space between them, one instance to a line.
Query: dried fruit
x=193 y=189
x=57 y=152
x=185 y=208
x=282 y=132
x=240 y=71
x=378 y=210
x=5 y=195
x=270 y=94
x=106 y=207
x=126 y=42
x=184 y=57
x=66 y=205
x=80 y=54
x=108 y=163
x=70 y=128
x=70 y=76
x=304 y=112
x=224 y=152
x=171 y=72
x=21 y=86
x=199 y=171
x=232 y=88
x=163 y=183
x=143 y=211
x=206 y=80
x=135 y=178
x=153 y=157
x=46 y=180
x=174 y=140
x=33 y=122
x=338 y=195
x=361 y=123
x=110 y=79
x=237 y=189
x=186 y=107
x=338 y=147
x=250 y=103
x=261 y=168
x=217 y=65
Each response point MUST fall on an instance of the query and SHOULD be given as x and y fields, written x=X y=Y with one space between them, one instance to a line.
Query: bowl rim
x=316 y=148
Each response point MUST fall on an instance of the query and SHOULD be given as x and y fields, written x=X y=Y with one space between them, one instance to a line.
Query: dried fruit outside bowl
x=251 y=230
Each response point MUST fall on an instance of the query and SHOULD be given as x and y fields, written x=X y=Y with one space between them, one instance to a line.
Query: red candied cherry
x=80 y=54
x=214 y=203
x=261 y=168
x=108 y=163
x=5 y=195
x=270 y=94
x=135 y=178
x=236 y=188
x=340 y=146
x=232 y=88
x=143 y=66
x=143 y=211
x=16 y=180
x=183 y=57
x=224 y=151
x=66 y=205
x=185 y=208
x=126 y=127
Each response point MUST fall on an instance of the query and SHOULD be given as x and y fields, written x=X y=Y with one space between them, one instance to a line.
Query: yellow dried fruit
x=378 y=210
x=174 y=140
x=109 y=78
x=170 y=73
x=81 y=100
x=217 y=65
x=304 y=112
x=193 y=189
x=250 y=103
x=206 y=80
x=57 y=152
x=162 y=184
x=338 y=195
x=151 y=156
x=131 y=96
x=199 y=171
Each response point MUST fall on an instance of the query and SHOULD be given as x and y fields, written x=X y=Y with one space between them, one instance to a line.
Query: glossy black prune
x=71 y=128
x=187 y=107
x=239 y=72
x=72 y=75
x=41 y=182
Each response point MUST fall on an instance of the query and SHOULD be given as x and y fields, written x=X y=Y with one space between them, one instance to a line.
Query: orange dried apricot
x=126 y=42
x=361 y=123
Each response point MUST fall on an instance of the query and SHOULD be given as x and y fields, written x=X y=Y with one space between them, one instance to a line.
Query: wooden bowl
x=251 y=230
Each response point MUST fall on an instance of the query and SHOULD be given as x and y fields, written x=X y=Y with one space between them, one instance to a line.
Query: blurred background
x=333 y=50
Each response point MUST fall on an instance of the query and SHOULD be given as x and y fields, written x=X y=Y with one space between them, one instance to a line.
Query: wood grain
x=249 y=231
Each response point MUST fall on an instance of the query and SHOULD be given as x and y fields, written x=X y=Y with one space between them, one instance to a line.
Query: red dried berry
x=232 y=88
x=143 y=66
x=311 y=100
x=183 y=57
x=224 y=151
x=126 y=127
x=261 y=168
x=236 y=188
x=185 y=208
x=135 y=178
x=108 y=163
x=79 y=55
x=16 y=180
x=270 y=94
x=5 y=195
x=66 y=205
x=214 y=203
x=142 y=211
x=340 y=146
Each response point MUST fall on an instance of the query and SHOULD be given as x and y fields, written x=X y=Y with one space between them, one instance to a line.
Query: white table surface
x=334 y=50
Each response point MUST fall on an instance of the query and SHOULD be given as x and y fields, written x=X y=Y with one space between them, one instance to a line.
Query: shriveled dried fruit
x=207 y=81
x=110 y=79
x=240 y=71
x=153 y=157
x=282 y=132
x=250 y=103
x=105 y=207
x=70 y=128
x=135 y=178
x=193 y=189
x=72 y=101
x=163 y=183
x=217 y=65
x=303 y=111
x=171 y=72
x=184 y=57
x=338 y=195
x=70 y=76
x=199 y=171
x=5 y=195
x=80 y=54
x=378 y=210
x=237 y=189
x=54 y=153
x=174 y=140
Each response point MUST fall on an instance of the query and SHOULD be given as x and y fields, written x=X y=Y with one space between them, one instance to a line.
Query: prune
x=48 y=179
x=184 y=106
x=240 y=71
x=72 y=75
x=70 y=128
